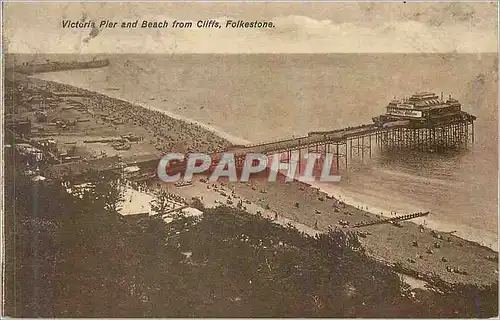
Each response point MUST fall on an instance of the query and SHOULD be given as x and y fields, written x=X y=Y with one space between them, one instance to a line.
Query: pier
x=424 y=122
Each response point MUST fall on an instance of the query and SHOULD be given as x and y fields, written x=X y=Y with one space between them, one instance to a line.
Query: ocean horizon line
x=252 y=53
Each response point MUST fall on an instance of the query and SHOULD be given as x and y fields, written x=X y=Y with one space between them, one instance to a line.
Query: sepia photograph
x=249 y=159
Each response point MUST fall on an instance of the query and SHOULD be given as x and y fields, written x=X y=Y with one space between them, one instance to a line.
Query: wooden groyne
x=391 y=220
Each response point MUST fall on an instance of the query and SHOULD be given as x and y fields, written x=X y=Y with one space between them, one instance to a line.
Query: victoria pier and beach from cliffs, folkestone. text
x=208 y=23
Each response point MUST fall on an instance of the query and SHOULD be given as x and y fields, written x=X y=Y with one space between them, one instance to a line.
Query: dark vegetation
x=76 y=257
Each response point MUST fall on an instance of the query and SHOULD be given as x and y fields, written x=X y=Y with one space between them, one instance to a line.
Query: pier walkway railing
x=313 y=138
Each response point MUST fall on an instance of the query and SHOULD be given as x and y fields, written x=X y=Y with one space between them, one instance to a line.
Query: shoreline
x=117 y=102
x=434 y=225
x=427 y=221
x=222 y=134
x=161 y=129
x=415 y=221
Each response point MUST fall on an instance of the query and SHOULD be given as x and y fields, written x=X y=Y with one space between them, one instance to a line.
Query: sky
x=300 y=28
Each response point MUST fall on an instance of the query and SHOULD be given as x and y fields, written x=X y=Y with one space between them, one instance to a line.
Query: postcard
x=250 y=159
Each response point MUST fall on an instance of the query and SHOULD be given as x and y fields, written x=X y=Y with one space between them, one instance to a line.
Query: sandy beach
x=110 y=95
x=417 y=249
x=159 y=129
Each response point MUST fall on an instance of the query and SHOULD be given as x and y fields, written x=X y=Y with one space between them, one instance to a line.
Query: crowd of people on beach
x=168 y=134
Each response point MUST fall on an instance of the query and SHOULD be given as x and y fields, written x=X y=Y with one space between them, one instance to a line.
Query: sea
x=264 y=97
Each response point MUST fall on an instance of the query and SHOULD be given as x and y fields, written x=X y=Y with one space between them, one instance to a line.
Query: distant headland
x=52 y=66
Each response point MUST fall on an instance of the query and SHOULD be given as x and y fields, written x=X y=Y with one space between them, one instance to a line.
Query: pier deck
x=443 y=133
